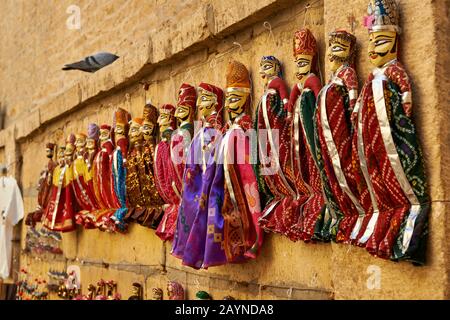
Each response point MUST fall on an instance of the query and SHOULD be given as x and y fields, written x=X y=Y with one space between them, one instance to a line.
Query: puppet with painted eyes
x=83 y=195
x=44 y=187
x=118 y=177
x=168 y=182
x=344 y=194
x=302 y=105
x=393 y=167
x=60 y=212
x=233 y=232
x=274 y=168
x=192 y=238
x=102 y=171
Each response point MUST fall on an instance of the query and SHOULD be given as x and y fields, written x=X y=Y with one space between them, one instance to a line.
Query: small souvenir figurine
x=175 y=291
x=84 y=198
x=334 y=138
x=101 y=290
x=44 y=187
x=202 y=295
x=157 y=294
x=119 y=172
x=191 y=232
x=134 y=166
x=238 y=236
x=92 y=144
x=388 y=147
x=60 y=213
x=101 y=178
x=302 y=105
x=137 y=292
x=152 y=199
x=166 y=176
x=179 y=146
x=275 y=166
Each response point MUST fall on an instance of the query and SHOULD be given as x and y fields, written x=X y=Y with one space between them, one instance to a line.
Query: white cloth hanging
x=11 y=212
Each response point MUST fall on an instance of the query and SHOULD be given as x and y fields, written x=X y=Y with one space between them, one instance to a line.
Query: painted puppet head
x=80 y=141
x=269 y=68
x=92 y=138
x=70 y=148
x=305 y=54
x=150 y=117
x=166 y=119
x=61 y=153
x=157 y=294
x=121 y=119
x=382 y=22
x=187 y=97
x=135 y=134
x=341 y=49
x=50 y=150
x=105 y=133
x=175 y=291
x=237 y=98
x=209 y=101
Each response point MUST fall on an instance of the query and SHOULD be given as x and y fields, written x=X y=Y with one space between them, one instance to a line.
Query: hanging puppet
x=179 y=146
x=101 y=178
x=388 y=147
x=302 y=106
x=83 y=197
x=274 y=150
x=44 y=187
x=152 y=199
x=239 y=236
x=60 y=212
x=348 y=200
x=166 y=176
x=91 y=152
x=118 y=167
x=196 y=219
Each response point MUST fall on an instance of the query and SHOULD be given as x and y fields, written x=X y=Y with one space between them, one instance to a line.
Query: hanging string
x=241 y=50
x=307 y=6
x=268 y=26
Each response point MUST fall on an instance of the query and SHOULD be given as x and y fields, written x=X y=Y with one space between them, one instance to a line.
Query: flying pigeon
x=92 y=63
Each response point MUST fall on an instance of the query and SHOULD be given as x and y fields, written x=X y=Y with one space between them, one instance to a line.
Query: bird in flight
x=92 y=63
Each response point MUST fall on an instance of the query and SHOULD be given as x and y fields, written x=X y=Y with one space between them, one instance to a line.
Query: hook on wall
x=268 y=27
x=241 y=49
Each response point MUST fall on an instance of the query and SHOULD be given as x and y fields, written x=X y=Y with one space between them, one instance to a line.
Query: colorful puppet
x=44 y=187
x=274 y=151
x=60 y=212
x=196 y=219
x=302 y=104
x=388 y=149
x=166 y=176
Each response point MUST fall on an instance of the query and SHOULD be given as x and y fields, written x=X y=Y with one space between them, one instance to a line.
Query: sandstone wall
x=167 y=43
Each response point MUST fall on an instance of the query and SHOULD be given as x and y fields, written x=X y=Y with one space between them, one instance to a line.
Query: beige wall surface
x=168 y=42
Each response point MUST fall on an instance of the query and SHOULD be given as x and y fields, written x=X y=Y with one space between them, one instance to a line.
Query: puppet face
x=304 y=64
x=90 y=144
x=49 y=153
x=68 y=153
x=338 y=52
x=382 y=47
x=235 y=102
x=147 y=130
x=135 y=133
x=183 y=113
x=164 y=122
x=206 y=102
x=268 y=70
x=157 y=294
x=104 y=135
x=80 y=142
x=61 y=152
x=119 y=131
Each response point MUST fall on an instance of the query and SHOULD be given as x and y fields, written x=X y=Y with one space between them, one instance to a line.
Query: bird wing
x=83 y=65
